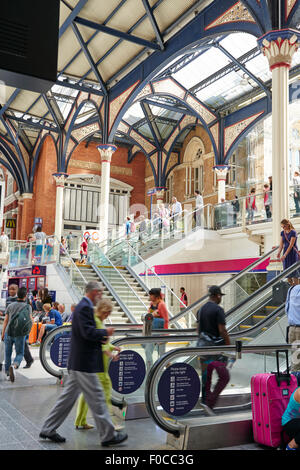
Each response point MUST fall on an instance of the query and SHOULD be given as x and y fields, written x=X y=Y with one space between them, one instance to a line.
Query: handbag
x=158 y=323
x=207 y=340
x=298 y=251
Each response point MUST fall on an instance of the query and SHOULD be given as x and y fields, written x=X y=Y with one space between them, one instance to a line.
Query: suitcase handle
x=280 y=376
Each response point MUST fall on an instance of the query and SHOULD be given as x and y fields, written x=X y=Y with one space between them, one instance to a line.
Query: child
x=103 y=310
x=291 y=421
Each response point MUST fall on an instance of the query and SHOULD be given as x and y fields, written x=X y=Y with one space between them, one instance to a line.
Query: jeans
x=19 y=342
x=296 y=201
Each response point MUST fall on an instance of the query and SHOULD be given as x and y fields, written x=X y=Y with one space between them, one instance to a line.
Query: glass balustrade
x=114 y=278
x=39 y=252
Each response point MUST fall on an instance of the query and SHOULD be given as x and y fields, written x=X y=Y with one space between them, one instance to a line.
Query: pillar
x=159 y=196
x=279 y=47
x=60 y=179
x=106 y=152
x=221 y=172
x=27 y=215
x=19 y=217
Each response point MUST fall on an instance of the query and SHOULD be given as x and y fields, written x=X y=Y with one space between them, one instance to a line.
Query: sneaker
x=290 y=448
x=7 y=378
x=12 y=375
x=54 y=437
x=117 y=439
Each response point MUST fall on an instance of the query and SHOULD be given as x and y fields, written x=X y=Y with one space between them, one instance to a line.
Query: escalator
x=230 y=423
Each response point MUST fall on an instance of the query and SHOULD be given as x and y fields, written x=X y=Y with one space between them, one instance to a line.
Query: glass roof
x=213 y=77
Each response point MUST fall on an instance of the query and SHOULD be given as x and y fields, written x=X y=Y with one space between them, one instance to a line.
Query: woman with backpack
x=17 y=325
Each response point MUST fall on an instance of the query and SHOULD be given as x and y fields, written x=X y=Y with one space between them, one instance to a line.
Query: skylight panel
x=238 y=44
x=205 y=65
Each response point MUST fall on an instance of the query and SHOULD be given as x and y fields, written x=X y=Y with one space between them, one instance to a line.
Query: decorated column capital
x=221 y=172
x=160 y=194
x=106 y=151
x=60 y=179
x=279 y=46
x=24 y=196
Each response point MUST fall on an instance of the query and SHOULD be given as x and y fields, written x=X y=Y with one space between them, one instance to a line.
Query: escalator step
x=245 y=326
x=259 y=316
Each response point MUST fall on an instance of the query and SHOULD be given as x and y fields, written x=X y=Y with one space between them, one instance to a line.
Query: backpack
x=20 y=323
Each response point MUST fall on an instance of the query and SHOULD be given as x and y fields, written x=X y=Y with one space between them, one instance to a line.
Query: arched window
x=194 y=168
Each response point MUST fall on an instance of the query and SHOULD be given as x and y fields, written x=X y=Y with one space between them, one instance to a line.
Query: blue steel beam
x=154 y=24
x=169 y=107
x=48 y=104
x=153 y=128
x=75 y=12
x=186 y=38
x=116 y=33
x=89 y=58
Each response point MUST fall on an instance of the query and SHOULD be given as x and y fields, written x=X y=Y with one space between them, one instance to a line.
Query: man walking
x=10 y=333
x=85 y=361
x=212 y=332
x=292 y=308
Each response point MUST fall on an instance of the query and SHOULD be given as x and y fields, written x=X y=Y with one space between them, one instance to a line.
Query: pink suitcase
x=270 y=394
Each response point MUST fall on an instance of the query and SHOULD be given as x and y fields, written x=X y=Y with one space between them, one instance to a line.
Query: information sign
x=179 y=389
x=128 y=373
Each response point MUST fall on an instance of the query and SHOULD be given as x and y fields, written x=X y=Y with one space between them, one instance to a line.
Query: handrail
x=125 y=280
x=265 y=287
x=150 y=392
x=258 y=325
x=155 y=274
x=114 y=293
x=223 y=284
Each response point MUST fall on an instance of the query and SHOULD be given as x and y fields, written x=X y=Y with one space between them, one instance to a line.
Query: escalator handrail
x=223 y=284
x=269 y=284
x=155 y=274
x=258 y=325
x=150 y=392
x=120 y=274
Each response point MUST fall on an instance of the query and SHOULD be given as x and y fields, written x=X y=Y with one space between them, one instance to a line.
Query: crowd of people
x=37 y=307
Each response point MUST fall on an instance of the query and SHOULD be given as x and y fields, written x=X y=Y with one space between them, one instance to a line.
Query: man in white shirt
x=176 y=211
x=199 y=208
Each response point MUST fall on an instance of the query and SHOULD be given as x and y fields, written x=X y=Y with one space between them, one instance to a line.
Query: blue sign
x=60 y=349
x=128 y=373
x=179 y=389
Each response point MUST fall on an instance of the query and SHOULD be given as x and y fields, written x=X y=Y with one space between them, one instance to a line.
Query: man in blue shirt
x=292 y=308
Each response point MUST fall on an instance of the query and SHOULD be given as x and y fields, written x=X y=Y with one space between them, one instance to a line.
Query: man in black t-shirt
x=211 y=322
x=211 y=317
